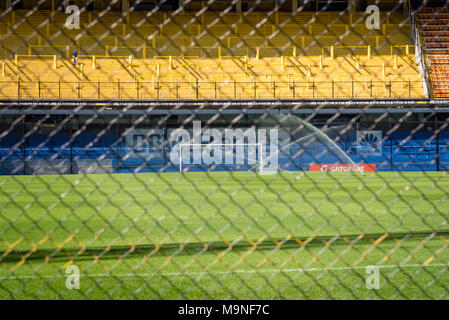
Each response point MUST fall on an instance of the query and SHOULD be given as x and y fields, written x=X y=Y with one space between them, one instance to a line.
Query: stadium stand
x=435 y=32
x=167 y=56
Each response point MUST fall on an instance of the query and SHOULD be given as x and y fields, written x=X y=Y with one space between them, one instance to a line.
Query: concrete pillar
x=238 y=6
x=294 y=5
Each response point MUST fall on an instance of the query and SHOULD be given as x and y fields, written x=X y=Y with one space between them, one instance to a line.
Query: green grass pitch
x=298 y=235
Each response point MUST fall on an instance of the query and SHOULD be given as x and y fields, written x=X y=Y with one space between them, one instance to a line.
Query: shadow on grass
x=192 y=248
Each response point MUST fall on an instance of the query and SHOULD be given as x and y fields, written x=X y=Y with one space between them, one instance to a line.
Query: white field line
x=175 y=274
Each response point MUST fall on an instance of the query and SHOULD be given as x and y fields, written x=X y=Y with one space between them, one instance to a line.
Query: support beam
x=125 y=5
x=181 y=5
x=294 y=5
x=8 y=4
x=238 y=6
x=352 y=6
x=406 y=8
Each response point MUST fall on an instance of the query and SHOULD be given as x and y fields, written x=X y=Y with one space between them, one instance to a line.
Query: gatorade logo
x=343 y=167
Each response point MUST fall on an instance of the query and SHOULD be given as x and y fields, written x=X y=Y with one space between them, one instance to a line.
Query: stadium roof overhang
x=155 y=107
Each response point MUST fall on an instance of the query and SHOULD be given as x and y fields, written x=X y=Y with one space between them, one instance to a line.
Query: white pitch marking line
x=124 y=275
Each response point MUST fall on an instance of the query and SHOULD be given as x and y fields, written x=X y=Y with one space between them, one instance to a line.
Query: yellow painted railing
x=66 y=49
x=332 y=50
x=210 y=89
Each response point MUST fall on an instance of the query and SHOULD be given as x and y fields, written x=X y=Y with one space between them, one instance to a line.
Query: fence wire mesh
x=224 y=149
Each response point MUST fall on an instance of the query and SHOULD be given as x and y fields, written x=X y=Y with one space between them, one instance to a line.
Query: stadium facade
x=393 y=135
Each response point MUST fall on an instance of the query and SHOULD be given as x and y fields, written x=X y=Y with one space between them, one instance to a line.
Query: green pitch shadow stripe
x=189 y=248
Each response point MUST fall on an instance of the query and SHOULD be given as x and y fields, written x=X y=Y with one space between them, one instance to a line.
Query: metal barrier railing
x=211 y=90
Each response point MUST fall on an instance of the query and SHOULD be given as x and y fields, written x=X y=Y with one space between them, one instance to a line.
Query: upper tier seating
x=165 y=34
x=163 y=55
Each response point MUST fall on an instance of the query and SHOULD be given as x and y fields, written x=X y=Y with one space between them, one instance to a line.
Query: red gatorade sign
x=343 y=167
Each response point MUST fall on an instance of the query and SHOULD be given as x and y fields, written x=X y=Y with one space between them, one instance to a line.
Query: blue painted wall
x=42 y=154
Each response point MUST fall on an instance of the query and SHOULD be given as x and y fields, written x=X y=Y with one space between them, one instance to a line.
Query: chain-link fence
x=224 y=149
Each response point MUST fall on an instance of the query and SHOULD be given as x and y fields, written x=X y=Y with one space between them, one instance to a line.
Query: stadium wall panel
x=103 y=148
